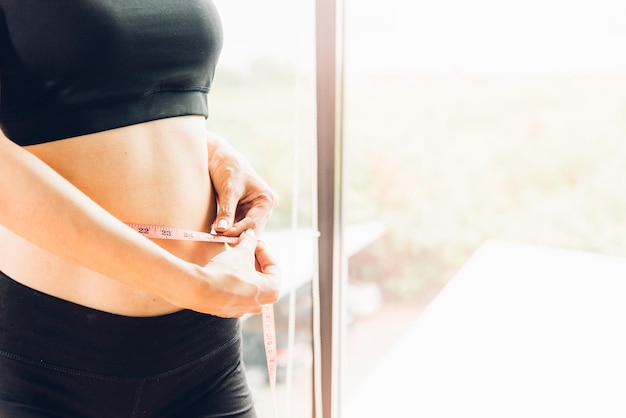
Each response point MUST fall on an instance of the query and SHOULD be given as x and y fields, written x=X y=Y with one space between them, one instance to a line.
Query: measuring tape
x=269 y=340
x=165 y=232
x=269 y=331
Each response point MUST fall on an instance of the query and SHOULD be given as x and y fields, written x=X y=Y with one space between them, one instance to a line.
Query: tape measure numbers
x=269 y=331
x=165 y=232
x=269 y=340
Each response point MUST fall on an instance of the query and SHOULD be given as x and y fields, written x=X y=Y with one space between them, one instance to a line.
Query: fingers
x=254 y=213
x=248 y=241
x=267 y=265
x=227 y=205
x=242 y=280
x=265 y=261
x=245 y=201
x=244 y=224
x=234 y=217
x=236 y=213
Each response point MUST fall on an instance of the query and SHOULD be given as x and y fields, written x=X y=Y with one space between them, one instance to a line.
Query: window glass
x=474 y=120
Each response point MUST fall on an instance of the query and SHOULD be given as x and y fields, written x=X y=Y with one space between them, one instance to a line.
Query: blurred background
x=463 y=121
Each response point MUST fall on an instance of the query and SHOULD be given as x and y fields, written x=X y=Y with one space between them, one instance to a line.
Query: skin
x=64 y=204
x=242 y=195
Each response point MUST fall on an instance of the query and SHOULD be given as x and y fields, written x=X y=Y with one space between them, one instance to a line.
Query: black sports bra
x=74 y=67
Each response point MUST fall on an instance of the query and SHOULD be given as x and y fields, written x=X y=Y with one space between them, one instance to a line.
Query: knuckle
x=267 y=196
x=272 y=198
x=250 y=223
x=225 y=211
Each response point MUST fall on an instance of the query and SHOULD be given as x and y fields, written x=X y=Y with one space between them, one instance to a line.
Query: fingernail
x=222 y=224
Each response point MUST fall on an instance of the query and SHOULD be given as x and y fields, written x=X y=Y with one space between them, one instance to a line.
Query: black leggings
x=60 y=359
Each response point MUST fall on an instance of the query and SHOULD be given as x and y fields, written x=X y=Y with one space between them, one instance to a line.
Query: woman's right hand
x=241 y=280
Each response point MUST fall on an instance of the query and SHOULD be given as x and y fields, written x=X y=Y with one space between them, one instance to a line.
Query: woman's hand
x=244 y=200
x=242 y=280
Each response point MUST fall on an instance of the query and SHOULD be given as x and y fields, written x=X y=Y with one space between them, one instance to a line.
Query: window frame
x=328 y=286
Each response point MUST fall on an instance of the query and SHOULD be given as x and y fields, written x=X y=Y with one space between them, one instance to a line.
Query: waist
x=153 y=173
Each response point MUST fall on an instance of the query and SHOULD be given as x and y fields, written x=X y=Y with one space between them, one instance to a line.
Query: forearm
x=45 y=209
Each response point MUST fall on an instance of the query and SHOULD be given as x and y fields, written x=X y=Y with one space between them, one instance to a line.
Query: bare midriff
x=153 y=173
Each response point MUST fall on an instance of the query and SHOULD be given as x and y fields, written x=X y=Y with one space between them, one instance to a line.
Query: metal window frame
x=331 y=263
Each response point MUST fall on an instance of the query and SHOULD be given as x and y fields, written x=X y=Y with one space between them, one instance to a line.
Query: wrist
x=182 y=283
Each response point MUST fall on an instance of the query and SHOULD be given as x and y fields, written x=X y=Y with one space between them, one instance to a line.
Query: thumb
x=248 y=240
x=266 y=263
x=226 y=208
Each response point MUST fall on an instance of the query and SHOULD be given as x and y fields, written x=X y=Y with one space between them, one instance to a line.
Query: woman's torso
x=153 y=173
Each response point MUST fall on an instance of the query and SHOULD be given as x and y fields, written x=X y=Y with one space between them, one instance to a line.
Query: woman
x=102 y=109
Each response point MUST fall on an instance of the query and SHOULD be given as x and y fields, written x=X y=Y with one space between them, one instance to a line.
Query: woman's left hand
x=244 y=200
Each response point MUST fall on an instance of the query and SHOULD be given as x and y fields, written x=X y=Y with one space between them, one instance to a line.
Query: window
x=474 y=120
x=462 y=121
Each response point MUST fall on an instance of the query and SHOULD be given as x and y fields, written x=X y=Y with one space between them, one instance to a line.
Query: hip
x=70 y=360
